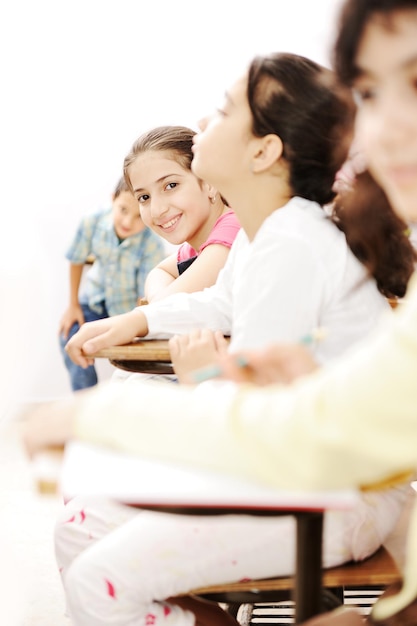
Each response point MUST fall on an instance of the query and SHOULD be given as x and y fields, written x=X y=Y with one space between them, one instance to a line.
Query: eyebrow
x=228 y=97
x=159 y=180
x=363 y=72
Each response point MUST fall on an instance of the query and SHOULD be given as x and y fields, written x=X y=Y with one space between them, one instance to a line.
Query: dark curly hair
x=376 y=234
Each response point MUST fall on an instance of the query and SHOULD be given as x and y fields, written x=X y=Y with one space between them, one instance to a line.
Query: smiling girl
x=181 y=208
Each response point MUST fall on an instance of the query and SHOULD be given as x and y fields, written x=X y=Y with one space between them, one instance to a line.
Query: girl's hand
x=73 y=314
x=112 y=331
x=49 y=425
x=275 y=364
x=194 y=351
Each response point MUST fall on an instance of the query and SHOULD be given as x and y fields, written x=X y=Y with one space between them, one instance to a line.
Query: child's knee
x=71 y=535
x=80 y=591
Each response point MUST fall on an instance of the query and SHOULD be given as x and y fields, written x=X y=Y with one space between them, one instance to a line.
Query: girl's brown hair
x=302 y=102
x=376 y=234
x=354 y=16
x=175 y=139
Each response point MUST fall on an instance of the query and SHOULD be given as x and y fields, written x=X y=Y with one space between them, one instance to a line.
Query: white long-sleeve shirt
x=296 y=275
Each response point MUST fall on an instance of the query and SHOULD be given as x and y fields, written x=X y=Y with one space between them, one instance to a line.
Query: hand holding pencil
x=277 y=363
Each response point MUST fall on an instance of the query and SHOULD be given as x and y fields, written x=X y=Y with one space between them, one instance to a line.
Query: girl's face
x=172 y=200
x=221 y=149
x=386 y=89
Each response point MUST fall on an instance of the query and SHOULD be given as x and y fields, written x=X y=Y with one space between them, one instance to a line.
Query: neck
x=258 y=195
x=257 y=204
x=201 y=236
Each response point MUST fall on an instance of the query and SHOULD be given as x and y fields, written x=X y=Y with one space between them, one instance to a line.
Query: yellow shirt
x=351 y=423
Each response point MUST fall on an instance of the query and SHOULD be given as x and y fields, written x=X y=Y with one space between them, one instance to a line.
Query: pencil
x=215 y=371
x=315 y=336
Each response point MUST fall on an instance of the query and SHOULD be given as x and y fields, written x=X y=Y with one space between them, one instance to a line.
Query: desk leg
x=308 y=566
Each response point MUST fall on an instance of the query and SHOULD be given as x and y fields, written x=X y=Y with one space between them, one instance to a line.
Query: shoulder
x=224 y=231
x=229 y=217
x=102 y=218
x=304 y=220
x=226 y=222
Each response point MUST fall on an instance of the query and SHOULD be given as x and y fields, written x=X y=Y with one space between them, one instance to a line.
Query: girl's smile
x=169 y=225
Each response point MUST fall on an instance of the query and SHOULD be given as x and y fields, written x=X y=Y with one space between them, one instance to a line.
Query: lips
x=169 y=225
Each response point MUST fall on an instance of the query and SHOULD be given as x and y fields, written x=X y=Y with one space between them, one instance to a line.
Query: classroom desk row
x=152 y=356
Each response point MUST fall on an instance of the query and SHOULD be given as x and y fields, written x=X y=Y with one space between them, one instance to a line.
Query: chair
x=374 y=574
x=379 y=570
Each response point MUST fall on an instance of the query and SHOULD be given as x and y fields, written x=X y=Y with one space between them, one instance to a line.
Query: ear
x=211 y=191
x=270 y=149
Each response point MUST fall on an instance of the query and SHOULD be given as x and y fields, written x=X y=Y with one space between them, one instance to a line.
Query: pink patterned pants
x=120 y=564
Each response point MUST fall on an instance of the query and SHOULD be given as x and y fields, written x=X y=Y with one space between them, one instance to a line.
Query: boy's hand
x=73 y=314
x=112 y=331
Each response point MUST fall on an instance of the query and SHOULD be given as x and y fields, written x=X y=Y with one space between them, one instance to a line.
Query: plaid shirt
x=118 y=274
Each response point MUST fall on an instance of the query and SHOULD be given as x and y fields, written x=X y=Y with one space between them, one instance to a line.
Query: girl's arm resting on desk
x=112 y=331
x=351 y=423
x=201 y=274
x=161 y=277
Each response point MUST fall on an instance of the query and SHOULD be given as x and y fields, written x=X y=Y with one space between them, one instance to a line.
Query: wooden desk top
x=138 y=350
x=176 y=485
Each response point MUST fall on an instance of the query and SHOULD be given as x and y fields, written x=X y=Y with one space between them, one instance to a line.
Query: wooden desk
x=175 y=488
x=149 y=356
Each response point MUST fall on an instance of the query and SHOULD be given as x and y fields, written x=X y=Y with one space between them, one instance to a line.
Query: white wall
x=81 y=80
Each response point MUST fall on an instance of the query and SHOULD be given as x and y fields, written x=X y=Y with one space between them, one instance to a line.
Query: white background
x=80 y=81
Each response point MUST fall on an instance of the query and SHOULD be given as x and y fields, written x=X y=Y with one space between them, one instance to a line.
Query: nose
x=202 y=123
x=127 y=221
x=392 y=122
x=158 y=207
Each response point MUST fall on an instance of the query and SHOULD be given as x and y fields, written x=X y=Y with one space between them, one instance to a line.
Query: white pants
x=120 y=564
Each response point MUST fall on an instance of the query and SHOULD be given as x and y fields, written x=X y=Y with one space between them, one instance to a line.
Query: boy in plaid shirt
x=124 y=251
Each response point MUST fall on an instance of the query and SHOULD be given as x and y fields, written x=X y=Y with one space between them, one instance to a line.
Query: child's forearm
x=75 y=275
x=157 y=281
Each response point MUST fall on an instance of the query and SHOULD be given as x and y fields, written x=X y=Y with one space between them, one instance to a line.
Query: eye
x=171 y=185
x=362 y=94
x=143 y=198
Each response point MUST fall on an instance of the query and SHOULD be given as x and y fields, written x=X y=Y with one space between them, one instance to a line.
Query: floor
x=30 y=588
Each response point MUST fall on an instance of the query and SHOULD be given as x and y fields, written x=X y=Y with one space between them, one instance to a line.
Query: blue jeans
x=81 y=378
